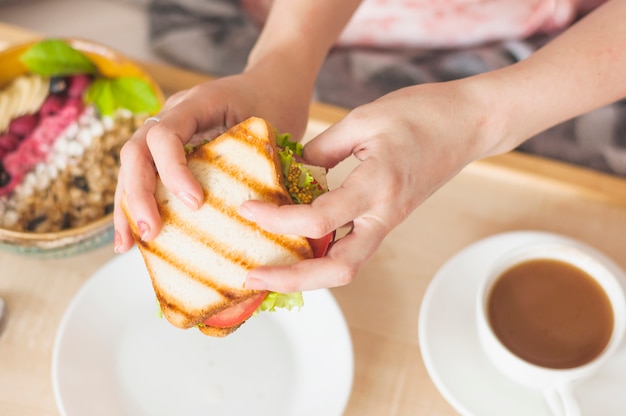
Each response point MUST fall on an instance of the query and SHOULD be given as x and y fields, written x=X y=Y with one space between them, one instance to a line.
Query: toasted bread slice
x=218 y=332
x=199 y=260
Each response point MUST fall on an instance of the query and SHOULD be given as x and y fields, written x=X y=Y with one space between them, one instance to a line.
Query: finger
x=123 y=239
x=139 y=183
x=174 y=100
x=195 y=111
x=327 y=213
x=333 y=145
x=338 y=268
x=168 y=153
x=186 y=115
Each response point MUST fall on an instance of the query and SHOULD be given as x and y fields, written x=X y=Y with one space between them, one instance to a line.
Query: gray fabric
x=215 y=37
x=209 y=36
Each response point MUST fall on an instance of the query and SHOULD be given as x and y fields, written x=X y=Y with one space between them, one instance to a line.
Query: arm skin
x=579 y=71
x=412 y=141
x=277 y=85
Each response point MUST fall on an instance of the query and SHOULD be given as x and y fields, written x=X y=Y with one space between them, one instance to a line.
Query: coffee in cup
x=550 y=314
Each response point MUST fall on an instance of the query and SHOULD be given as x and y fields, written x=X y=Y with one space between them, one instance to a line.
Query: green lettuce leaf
x=284 y=141
x=275 y=300
x=306 y=188
x=286 y=160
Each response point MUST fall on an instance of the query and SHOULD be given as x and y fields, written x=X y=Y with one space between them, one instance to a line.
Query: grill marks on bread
x=243 y=227
x=263 y=180
x=199 y=260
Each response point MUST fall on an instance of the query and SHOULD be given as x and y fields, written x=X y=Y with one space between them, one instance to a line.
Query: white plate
x=114 y=356
x=456 y=363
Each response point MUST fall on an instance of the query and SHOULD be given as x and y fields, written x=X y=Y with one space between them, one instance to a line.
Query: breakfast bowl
x=66 y=108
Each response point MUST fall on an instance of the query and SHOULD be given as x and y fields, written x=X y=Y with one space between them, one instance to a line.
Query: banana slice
x=34 y=92
x=5 y=116
x=18 y=90
x=24 y=95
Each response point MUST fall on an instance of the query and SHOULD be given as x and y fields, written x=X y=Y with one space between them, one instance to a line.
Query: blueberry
x=5 y=177
x=58 y=85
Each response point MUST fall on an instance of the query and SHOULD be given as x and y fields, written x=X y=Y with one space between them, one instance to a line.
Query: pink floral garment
x=447 y=23
x=454 y=23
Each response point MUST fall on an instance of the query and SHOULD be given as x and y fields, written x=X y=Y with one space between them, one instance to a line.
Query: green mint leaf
x=134 y=94
x=55 y=57
x=101 y=95
x=130 y=93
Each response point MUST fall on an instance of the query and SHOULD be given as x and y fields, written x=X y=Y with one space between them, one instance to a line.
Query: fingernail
x=246 y=213
x=117 y=242
x=144 y=229
x=253 y=283
x=189 y=200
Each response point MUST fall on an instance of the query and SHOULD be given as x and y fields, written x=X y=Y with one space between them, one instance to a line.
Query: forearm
x=581 y=70
x=298 y=35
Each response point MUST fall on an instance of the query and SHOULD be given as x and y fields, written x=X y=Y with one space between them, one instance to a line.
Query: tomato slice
x=240 y=312
x=320 y=245
x=237 y=313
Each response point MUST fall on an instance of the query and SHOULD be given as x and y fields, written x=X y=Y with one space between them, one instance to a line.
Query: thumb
x=331 y=146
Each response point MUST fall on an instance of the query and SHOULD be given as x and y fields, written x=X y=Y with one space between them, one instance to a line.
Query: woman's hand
x=207 y=109
x=408 y=143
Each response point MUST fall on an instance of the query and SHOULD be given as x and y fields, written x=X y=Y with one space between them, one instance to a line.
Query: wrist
x=484 y=118
x=503 y=113
x=284 y=68
x=283 y=92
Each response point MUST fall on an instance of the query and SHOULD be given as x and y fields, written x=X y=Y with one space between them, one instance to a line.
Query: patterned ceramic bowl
x=66 y=108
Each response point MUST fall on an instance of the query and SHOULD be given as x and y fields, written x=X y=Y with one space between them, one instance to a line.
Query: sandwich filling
x=303 y=185
x=300 y=179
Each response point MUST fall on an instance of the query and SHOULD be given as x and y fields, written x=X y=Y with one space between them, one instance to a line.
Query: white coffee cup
x=555 y=384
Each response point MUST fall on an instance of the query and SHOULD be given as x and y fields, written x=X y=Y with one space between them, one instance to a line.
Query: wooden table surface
x=504 y=193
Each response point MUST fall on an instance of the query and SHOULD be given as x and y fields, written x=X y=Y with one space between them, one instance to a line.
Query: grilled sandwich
x=199 y=261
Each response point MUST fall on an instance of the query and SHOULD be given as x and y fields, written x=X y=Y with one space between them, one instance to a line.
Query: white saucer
x=456 y=363
x=114 y=356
